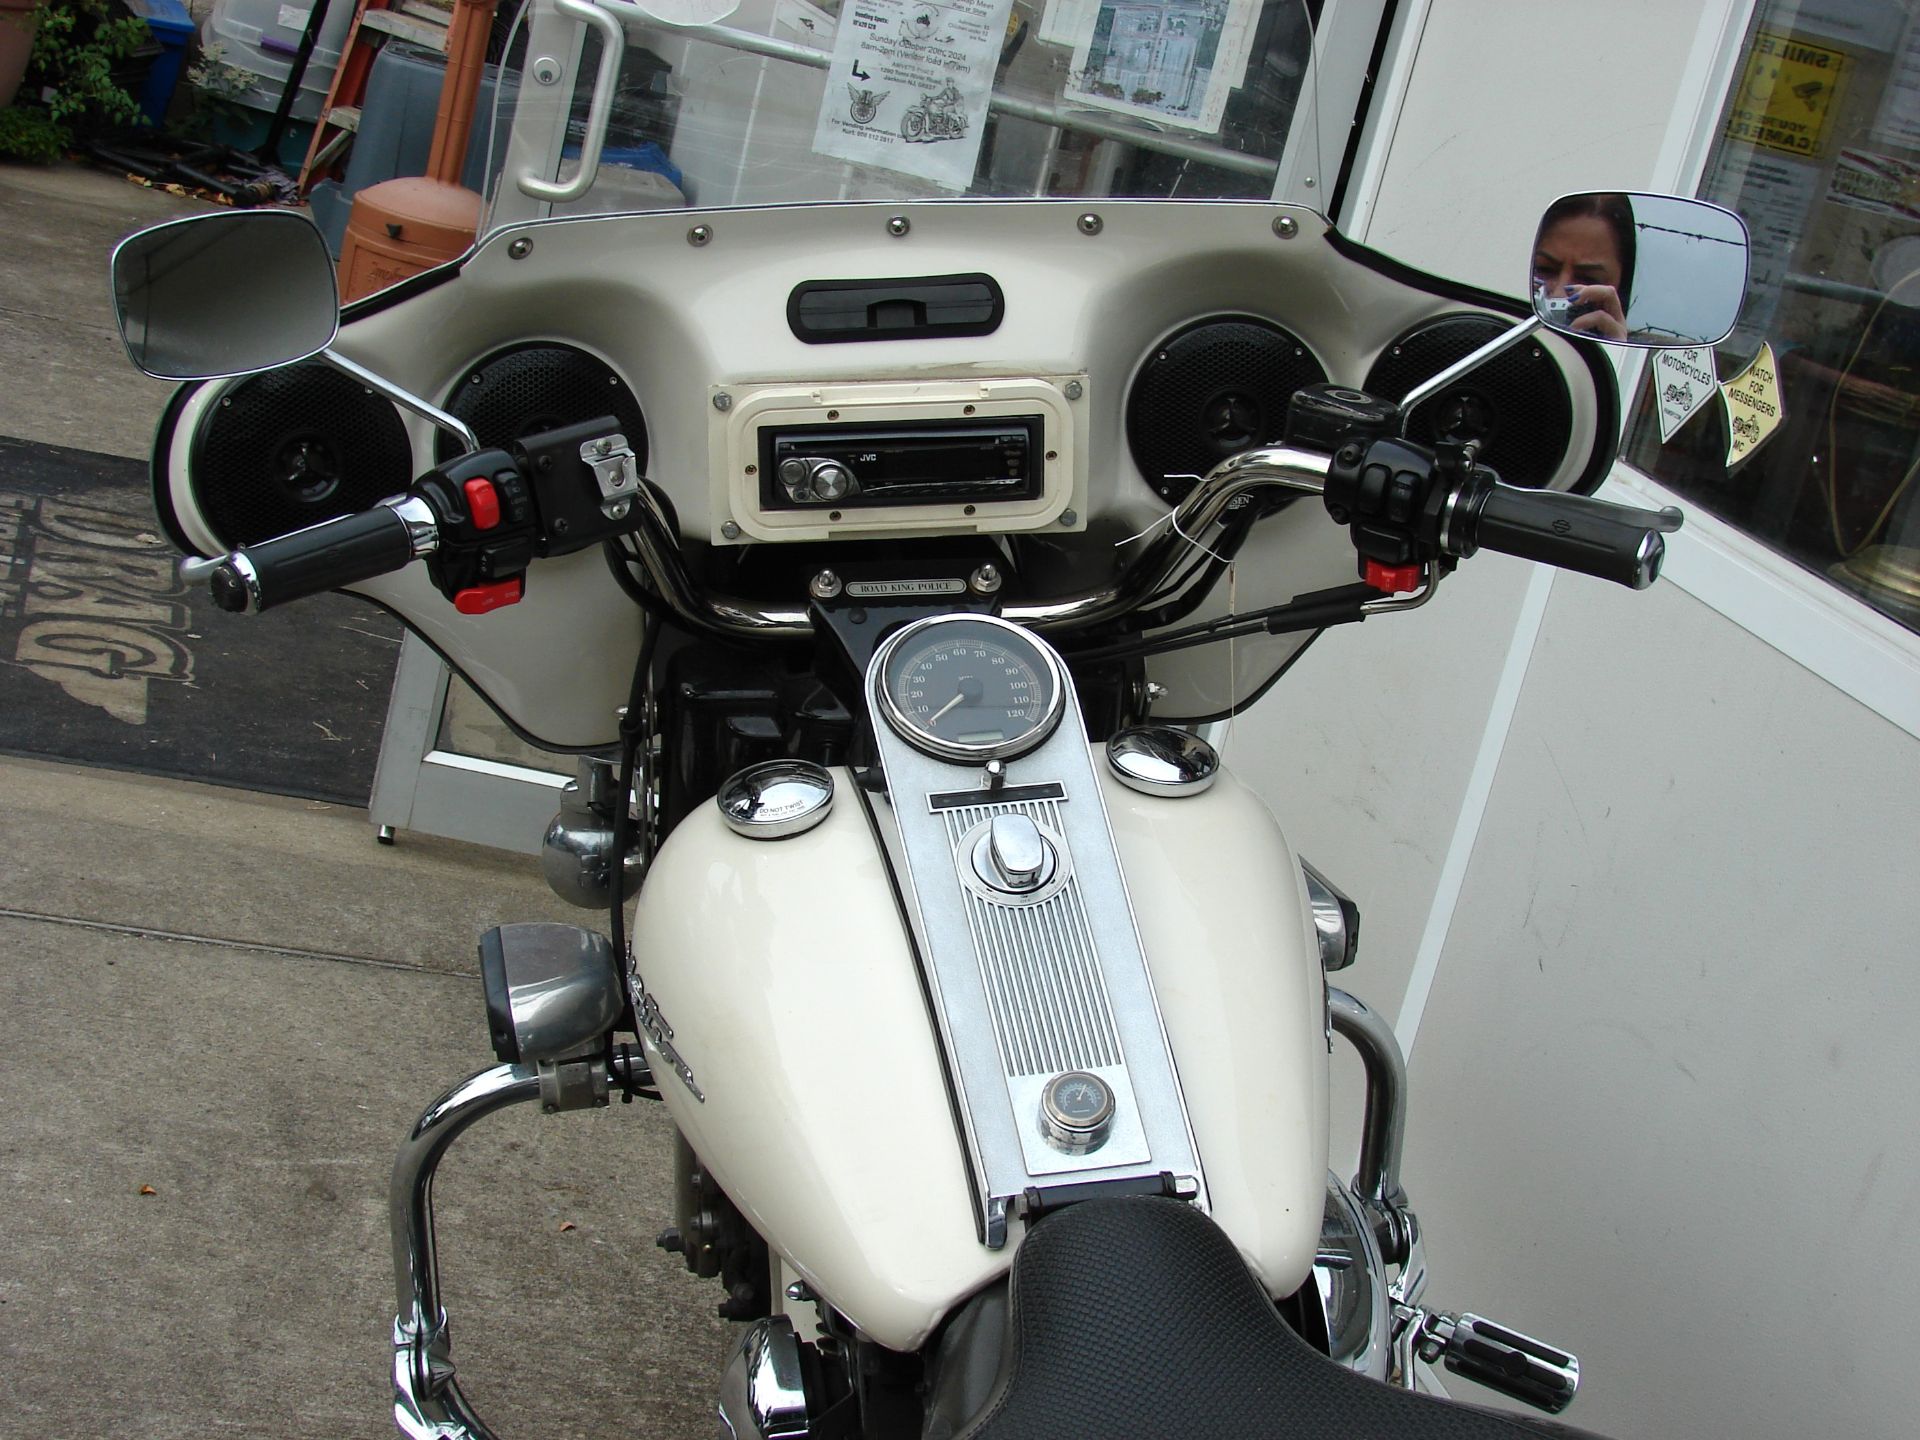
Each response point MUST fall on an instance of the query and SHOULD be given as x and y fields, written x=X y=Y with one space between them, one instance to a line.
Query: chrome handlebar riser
x=1277 y=467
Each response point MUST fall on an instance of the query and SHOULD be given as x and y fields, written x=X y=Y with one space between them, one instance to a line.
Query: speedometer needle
x=934 y=719
x=969 y=689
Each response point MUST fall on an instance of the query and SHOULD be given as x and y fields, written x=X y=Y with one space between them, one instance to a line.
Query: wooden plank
x=408 y=27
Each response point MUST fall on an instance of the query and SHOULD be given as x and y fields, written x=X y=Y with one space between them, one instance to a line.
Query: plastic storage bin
x=261 y=37
x=172 y=28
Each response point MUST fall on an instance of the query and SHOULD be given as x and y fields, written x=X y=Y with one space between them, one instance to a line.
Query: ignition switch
x=1013 y=856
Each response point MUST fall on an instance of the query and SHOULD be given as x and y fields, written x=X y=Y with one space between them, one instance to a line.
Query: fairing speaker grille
x=292 y=447
x=1211 y=390
x=526 y=389
x=1516 y=404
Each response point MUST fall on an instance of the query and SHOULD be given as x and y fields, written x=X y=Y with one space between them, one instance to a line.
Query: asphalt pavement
x=222 y=1012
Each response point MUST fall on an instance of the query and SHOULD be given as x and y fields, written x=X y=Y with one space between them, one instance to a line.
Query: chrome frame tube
x=1377 y=1181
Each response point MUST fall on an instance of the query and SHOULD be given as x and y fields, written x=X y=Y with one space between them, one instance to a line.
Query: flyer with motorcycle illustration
x=908 y=86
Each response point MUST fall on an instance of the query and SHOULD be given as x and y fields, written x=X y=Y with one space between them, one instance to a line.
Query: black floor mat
x=110 y=659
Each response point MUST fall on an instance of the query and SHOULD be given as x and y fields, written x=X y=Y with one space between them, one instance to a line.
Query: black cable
x=618 y=561
x=1313 y=611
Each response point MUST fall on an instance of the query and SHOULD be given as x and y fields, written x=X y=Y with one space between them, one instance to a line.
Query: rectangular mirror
x=1643 y=270
x=225 y=294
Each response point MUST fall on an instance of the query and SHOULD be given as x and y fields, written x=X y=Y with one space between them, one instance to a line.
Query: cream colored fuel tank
x=784 y=982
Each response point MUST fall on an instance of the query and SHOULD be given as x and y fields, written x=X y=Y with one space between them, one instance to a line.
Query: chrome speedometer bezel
x=905 y=639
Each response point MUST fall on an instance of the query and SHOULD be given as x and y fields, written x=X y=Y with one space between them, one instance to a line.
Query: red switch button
x=483 y=503
x=479 y=599
x=1393 y=579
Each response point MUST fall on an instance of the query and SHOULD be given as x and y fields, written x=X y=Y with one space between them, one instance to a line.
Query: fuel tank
x=788 y=1024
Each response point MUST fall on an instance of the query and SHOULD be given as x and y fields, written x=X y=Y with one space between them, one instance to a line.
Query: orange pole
x=466 y=58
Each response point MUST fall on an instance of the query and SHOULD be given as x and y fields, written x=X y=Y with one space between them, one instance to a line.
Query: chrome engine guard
x=1373 y=1326
x=427 y=1402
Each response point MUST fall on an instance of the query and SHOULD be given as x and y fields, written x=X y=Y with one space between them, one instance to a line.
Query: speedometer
x=969 y=688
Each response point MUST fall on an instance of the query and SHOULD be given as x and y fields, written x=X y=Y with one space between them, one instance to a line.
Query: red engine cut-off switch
x=480 y=599
x=483 y=503
x=1392 y=579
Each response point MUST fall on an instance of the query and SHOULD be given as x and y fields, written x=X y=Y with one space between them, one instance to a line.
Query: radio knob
x=795 y=478
x=831 y=482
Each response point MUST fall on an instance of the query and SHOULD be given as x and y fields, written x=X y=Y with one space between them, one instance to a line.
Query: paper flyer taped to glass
x=908 y=86
x=1174 y=62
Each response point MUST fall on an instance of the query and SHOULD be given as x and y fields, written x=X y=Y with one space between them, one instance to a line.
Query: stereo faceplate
x=891 y=458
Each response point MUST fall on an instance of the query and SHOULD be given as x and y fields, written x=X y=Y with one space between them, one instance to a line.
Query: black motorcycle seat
x=1137 y=1318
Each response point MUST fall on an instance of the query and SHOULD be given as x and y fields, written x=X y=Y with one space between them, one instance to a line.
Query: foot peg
x=1501 y=1359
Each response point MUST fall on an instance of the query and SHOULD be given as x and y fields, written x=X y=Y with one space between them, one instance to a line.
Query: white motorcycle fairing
x=684 y=324
x=792 y=1041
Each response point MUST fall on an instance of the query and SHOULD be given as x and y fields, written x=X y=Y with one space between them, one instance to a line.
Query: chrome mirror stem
x=1432 y=386
x=405 y=399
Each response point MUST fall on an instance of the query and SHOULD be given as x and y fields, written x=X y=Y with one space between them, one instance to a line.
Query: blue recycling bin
x=172 y=29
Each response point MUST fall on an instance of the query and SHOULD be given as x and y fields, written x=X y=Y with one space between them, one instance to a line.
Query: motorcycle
x=886 y=563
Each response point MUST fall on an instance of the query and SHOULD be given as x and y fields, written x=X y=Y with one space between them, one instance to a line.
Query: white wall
x=1661 y=1079
x=1514 y=102
x=1663 y=1085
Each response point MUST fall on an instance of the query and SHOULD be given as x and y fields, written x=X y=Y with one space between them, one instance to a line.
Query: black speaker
x=292 y=447
x=526 y=389
x=1210 y=390
x=1516 y=404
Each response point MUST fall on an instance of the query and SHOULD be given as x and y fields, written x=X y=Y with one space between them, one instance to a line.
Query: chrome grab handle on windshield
x=1277 y=467
x=613 y=44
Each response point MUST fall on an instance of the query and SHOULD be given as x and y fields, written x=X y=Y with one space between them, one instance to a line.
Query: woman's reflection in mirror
x=1583 y=264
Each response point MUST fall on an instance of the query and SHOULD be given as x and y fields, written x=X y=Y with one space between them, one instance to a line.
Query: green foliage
x=74 y=53
x=31 y=135
x=214 y=88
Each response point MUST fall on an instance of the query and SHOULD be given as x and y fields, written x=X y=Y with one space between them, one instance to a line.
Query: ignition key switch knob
x=1013 y=856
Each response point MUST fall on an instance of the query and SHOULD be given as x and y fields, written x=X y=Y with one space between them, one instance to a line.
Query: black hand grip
x=1611 y=542
x=321 y=557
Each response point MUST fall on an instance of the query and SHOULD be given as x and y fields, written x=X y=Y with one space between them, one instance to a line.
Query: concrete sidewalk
x=239 y=1003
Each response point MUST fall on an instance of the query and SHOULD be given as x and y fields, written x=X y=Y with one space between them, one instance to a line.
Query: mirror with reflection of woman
x=1583 y=262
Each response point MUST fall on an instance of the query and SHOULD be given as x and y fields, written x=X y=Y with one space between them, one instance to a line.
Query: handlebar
x=1449 y=518
x=1611 y=542
x=323 y=557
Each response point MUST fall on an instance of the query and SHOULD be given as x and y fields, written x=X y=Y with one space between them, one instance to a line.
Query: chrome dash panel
x=1028 y=987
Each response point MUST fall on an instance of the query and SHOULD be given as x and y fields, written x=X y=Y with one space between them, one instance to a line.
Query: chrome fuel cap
x=1076 y=1112
x=776 y=799
x=1162 y=760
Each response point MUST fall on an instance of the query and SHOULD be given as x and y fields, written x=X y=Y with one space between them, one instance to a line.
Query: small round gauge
x=969 y=688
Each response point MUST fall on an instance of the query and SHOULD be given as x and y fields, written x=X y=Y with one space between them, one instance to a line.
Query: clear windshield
x=791 y=101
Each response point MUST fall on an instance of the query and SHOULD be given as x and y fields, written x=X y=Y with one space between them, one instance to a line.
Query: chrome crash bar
x=1275 y=468
x=1383 y=1132
x=427 y=1403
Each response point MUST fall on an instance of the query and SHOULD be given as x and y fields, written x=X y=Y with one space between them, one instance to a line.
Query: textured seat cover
x=1138 y=1318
